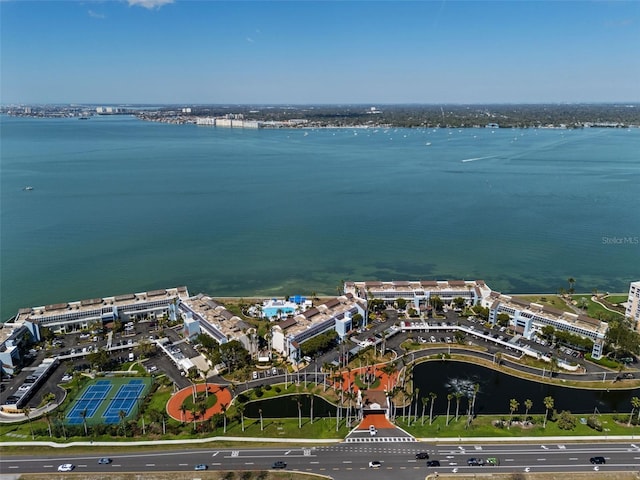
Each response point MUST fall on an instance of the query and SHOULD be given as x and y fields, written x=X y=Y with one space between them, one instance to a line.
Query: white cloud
x=249 y=39
x=93 y=14
x=149 y=4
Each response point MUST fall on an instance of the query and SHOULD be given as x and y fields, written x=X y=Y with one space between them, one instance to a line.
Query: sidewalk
x=436 y=440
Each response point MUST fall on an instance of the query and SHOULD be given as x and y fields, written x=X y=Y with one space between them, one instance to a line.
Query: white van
x=132 y=357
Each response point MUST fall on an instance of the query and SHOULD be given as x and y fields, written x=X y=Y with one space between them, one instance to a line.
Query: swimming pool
x=269 y=312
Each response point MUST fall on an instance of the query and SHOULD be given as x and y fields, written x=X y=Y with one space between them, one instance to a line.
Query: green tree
x=436 y=302
x=83 y=415
x=27 y=411
x=566 y=421
x=513 y=406
x=635 y=404
x=528 y=404
x=548 y=405
x=503 y=319
x=458 y=396
x=571 y=281
x=240 y=408
x=449 y=398
x=122 y=415
x=433 y=397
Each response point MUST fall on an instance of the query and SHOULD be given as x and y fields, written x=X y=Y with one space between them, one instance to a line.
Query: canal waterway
x=495 y=391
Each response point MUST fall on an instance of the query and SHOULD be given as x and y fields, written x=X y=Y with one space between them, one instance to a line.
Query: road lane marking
x=150 y=465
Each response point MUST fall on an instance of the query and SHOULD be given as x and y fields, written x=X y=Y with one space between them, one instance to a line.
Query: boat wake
x=477 y=158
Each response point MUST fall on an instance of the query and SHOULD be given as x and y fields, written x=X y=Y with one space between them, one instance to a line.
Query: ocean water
x=119 y=205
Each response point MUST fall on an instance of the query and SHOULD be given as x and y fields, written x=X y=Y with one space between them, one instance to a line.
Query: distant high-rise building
x=633 y=304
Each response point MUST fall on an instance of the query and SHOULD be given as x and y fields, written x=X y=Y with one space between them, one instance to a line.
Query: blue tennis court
x=124 y=400
x=90 y=401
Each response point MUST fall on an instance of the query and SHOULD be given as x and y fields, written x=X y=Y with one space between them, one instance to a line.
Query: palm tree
x=60 y=417
x=194 y=415
x=527 y=406
x=183 y=410
x=433 y=397
x=83 y=415
x=223 y=407
x=240 y=407
x=458 y=396
x=27 y=411
x=424 y=400
x=47 y=417
x=122 y=414
x=571 y=281
x=416 y=395
x=472 y=404
x=513 y=406
x=298 y=399
x=449 y=398
x=635 y=403
x=548 y=405
x=261 y=424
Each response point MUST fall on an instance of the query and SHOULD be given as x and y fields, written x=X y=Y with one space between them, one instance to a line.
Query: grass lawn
x=482 y=426
x=595 y=310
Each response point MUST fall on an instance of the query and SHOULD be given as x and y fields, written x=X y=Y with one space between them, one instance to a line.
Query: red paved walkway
x=173 y=405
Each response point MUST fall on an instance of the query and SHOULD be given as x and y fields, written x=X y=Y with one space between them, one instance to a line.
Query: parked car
x=279 y=464
x=433 y=463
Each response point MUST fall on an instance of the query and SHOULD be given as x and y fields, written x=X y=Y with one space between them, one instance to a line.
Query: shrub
x=566 y=421
x=277 y=389
x=595 y=423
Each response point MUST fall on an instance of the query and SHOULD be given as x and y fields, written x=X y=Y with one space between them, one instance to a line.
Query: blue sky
x=301 y=52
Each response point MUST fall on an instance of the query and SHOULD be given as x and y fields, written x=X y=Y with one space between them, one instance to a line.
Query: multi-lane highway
x=348 y=461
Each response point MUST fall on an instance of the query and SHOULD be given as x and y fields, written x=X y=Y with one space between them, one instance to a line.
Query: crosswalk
x=378 y=439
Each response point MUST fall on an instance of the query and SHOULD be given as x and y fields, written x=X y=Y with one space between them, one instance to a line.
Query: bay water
x=120 y=205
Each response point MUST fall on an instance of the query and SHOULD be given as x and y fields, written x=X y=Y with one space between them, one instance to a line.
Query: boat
x=84 y=117
x=28 y=188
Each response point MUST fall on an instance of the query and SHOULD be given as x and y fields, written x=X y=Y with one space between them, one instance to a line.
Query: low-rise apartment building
x=525 y=317
x=419 y=292
x=335 y=314
x=83 y=314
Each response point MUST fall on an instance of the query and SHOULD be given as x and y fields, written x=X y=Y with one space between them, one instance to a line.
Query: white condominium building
x=419 y=292
x=73 y=316
x=633 y=304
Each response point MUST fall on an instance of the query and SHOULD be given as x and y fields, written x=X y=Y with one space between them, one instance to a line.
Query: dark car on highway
x=422 y=456
x=433 y=463
x=597 y=460
x=279 y=464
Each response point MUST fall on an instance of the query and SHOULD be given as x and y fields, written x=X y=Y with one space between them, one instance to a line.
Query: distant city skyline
x=327 y=52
